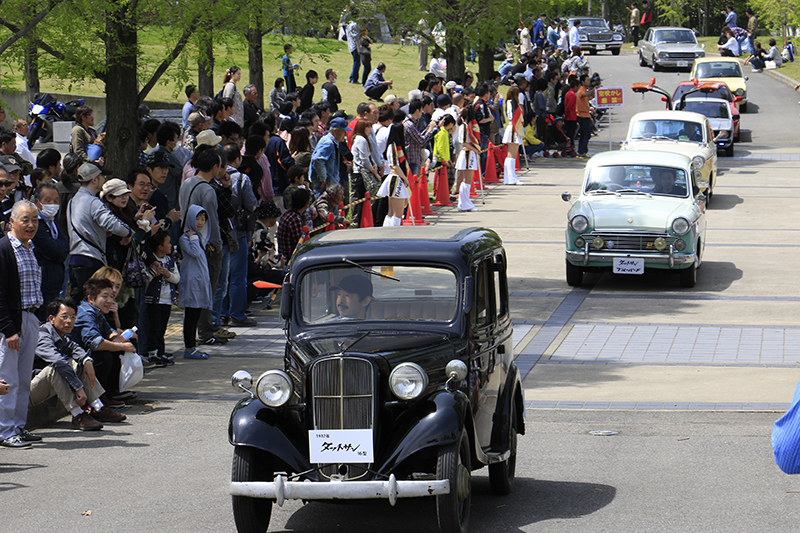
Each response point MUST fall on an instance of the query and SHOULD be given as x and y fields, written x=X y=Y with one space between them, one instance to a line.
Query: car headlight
x=739 y=92
x=408 y=381
x=662 y=55
x=579 y=223
x=580 y=243
x=274 y=388
x=699 y=54
x=698 y=162
x=680 y=226
x=617 y=37
x=583 y=38
x=680 y=245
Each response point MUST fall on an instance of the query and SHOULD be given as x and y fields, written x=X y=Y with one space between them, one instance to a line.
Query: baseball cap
x=197 y=118
x=339 y=123
x=355 y=284
x=157 y=158
x=444 y=100
x=208 y=137
x=10 y=163
x=114 y=187
x=89 y=171
x=389 y=100
x=450 y=85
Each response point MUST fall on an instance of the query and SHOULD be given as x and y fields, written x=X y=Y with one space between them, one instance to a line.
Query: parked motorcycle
x=45 y=110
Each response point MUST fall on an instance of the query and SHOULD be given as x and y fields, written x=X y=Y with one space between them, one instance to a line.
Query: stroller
x=555 y=132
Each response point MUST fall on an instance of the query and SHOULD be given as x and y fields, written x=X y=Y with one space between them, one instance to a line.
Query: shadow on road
x=723 y=202
x=532 y=501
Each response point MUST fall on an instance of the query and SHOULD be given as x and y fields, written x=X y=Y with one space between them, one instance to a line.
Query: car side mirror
x=703 y=45
x=567 y=197
x=738 y=99
x=469 y=287
x=746 y=78
x=286 y=300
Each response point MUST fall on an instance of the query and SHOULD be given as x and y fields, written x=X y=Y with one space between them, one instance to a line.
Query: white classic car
x=719 y=116
x=637 y=211
x=679 y=132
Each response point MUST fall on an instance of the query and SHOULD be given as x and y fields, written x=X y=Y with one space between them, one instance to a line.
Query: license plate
x=683 y=63
x=340 y=446
x=628 y=265
x=601 y=47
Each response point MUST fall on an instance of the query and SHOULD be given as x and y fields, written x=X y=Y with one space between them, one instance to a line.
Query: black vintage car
x=596 y=36
x=399 y=377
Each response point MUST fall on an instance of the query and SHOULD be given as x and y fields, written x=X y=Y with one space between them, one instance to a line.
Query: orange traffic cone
x=442 y=188
x=424 y=195
x=366 y=213
x=472 y=192
x=413 y=213
x=491 y=167
x=330 y=226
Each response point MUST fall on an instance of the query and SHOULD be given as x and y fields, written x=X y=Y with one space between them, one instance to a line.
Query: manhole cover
x=603 y=432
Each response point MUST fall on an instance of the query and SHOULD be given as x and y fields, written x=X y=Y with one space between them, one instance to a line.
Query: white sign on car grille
x=340 y=446
x=628 y=265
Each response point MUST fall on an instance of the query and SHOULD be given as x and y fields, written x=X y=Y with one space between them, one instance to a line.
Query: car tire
x=729 y=151
x=615 y=51
x=454 y=463
x=689 y=276
x=251 y=515
x=574 y=275
x=656 y=68
x=642 y=62
x=743 y=108
x=501 y=475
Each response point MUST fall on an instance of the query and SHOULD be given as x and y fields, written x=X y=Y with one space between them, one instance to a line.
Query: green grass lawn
x=401 y=61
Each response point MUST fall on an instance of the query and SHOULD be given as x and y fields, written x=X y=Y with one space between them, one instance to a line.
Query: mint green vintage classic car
x=637 y=211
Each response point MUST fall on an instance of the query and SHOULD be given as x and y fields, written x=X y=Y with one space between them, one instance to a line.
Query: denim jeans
x=356 y=66
x=237 y=293
x=484 y=146
x=222 y=288
x=585 y=125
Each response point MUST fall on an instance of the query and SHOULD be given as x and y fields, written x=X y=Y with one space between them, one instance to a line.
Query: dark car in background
x=597 y=36
x=399 y=377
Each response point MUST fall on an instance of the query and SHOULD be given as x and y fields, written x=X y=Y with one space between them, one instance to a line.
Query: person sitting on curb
x=69 y=371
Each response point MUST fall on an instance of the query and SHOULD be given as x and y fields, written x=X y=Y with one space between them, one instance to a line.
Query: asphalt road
x=689 y=469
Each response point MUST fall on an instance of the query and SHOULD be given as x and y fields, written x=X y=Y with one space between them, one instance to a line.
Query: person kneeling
x=65 y=361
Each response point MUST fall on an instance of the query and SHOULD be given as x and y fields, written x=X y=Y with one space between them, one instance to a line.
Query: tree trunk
x=122 y=102
x=706 y=17
x=589 y=9
x=455 y=54
x=31 y=71
x=485 y=64
x=205 y=63
x=606 y=13
x=255 y=58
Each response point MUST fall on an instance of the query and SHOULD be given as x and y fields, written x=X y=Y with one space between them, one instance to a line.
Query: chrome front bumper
x=281 y=490
x=649 y=259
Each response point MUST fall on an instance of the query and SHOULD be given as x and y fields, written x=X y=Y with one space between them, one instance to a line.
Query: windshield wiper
x=637 y=191
x=602 y=191
x=368 y=270
x=350 y=347
x=660 y=138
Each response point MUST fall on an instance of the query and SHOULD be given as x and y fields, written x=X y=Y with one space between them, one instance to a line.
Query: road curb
x=783 y=78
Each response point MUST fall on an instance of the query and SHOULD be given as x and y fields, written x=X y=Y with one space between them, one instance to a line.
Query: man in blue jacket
x=325 y=159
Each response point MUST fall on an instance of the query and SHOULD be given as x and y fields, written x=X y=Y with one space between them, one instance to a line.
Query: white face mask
x=334 y=80
x=49 y=210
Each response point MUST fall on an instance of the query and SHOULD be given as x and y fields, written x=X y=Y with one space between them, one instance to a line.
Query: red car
x=722 y=91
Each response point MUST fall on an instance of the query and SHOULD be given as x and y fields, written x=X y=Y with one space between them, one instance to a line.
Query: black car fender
x=439 y=421
x=510 y=400
x=276 y=432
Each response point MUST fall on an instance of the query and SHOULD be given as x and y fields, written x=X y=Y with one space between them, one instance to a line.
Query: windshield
x=595 y=24
x=678 y=130
x=674 y=36
x=718 y=69
x=349 y=293
x=638 y=179
x=723 y=92
x=709 y=109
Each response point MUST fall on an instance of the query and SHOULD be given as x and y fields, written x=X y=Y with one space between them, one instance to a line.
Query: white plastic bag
x=131 y=372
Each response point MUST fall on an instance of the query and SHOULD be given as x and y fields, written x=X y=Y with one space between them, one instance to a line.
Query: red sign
x=610 y=97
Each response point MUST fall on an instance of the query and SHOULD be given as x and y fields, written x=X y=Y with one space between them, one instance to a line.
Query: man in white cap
x=89 y=222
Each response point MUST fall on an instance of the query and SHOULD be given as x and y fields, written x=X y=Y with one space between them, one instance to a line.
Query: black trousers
x=635 y=35
x=191 y=315
x=106 y=368
x=376 y=92
x=159 y=318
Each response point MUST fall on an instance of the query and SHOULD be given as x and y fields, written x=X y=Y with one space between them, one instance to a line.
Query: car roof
x=717 y=59
x=639 y=157
x=669 y=115
x=451 y=244
x=669 y=28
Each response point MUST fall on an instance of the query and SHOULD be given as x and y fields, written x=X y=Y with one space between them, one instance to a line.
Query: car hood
x=678 y=47
x=631 y=212
x=687 y=148
x=718 y=124
x=733 y=83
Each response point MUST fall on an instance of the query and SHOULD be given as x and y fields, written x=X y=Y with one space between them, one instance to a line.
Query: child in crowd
x=297 y=180
x=93 y=333
x=264 y=264
x=441 y=146
x=115 y=277
x=159 y=295
x=288 y=69
x=194 y=288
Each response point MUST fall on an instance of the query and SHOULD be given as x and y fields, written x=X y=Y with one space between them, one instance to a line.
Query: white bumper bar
x=281 y=489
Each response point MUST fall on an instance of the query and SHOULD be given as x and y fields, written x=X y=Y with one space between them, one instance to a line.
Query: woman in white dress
x=229 y=90
x=515 y=99
x=467 y=161
x=395 y=186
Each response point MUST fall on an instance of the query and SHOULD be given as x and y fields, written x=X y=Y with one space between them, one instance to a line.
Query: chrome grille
x=681 y=55
x=595 y=37
x=343 y=398
x=633 y=241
